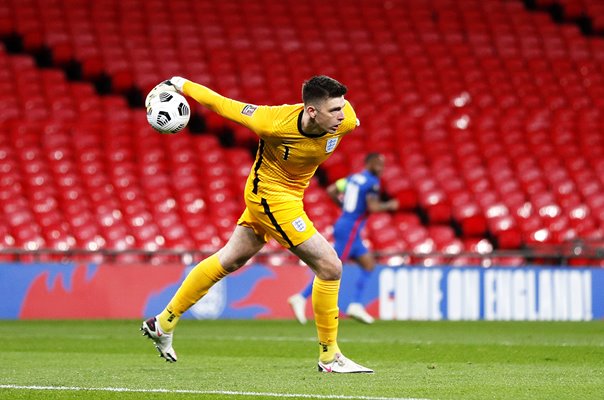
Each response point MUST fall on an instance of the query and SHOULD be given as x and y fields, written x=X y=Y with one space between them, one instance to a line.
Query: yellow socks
x=194 y=287
x=209 y=271
x=325 y=307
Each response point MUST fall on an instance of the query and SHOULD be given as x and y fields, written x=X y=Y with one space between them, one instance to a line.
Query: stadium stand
x=589 y=13
x=490 y=117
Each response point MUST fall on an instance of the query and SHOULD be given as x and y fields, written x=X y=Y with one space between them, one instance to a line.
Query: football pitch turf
x=268 y=359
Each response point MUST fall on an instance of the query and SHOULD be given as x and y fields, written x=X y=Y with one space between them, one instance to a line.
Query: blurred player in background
x=358 y=195
x=294 y=140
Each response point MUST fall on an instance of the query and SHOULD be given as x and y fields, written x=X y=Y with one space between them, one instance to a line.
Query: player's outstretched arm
x=205 y=96
x=224 y=106
x=200 y=93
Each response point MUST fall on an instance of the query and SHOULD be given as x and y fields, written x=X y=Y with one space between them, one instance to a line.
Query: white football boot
x=358 y=312
x=298 y=304
x=342 y=365
x=162 y=340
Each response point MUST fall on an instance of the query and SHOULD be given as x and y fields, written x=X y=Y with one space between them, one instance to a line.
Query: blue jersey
x=347 y=229
x=358 y=186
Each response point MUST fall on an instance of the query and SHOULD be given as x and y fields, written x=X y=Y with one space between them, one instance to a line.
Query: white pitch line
x=188 y=391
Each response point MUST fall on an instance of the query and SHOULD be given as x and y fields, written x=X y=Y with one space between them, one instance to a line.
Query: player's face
x=377 y=166
x=330 y=114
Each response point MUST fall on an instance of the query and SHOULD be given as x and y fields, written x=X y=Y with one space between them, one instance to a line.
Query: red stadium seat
x=489 y=117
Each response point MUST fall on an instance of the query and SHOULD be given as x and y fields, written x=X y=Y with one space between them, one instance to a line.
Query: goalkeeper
x=294 y=140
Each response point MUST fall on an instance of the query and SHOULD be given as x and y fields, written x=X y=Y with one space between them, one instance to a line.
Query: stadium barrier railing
x=575 y=253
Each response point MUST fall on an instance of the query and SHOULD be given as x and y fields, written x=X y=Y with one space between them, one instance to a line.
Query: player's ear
x=311 y=110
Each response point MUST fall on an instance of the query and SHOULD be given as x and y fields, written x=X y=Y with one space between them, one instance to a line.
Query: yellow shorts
x=286 y=222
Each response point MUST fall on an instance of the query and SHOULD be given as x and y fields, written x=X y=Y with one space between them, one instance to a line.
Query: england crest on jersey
x=331 y=144
x=299 y=224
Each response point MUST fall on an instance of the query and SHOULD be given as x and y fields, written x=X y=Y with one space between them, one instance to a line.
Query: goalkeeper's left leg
x=194 y=287
x=242 y=245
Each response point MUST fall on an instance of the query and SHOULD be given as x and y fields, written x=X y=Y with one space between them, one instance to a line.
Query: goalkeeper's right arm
x=205 y=96
x=256 y=118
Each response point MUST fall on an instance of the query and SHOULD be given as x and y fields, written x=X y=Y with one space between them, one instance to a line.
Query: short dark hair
x=371 y=156
x=321 y=87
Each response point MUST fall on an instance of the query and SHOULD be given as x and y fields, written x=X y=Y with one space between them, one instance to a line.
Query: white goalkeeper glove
x=173 y=84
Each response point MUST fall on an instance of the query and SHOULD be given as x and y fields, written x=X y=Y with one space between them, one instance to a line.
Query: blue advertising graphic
x=258 y=291
x=502 y=294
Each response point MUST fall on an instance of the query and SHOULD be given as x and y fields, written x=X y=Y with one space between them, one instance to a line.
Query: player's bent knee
x=232 y=262
x=330 y=270
x=234 y=265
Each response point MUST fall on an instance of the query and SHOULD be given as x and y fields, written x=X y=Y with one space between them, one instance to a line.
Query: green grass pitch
x=269 y=359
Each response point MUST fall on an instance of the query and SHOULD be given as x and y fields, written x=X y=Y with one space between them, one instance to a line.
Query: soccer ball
x=168 y=112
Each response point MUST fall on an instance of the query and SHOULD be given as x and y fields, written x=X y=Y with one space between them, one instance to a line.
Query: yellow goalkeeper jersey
x=287 y=158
